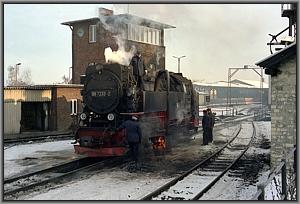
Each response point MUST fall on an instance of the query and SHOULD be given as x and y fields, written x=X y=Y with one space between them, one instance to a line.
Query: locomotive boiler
x=166 y=102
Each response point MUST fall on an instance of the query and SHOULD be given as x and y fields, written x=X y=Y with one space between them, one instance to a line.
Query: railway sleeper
x=220 y=163
x=213 y=169
x=222 y=160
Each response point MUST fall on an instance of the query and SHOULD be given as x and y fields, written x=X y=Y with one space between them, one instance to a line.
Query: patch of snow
x=16 y=158
x=112 y=184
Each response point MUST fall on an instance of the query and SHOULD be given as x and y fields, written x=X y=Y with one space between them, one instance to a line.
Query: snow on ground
x=19 y=158
x=119 y=184
x=230 y=188
x=264 y=128
x=109 y=184
x=187 y=188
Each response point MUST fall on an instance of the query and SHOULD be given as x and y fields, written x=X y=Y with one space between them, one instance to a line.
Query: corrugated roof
x=39 y=87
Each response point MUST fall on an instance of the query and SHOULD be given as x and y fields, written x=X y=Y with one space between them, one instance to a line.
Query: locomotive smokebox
x=102 y=88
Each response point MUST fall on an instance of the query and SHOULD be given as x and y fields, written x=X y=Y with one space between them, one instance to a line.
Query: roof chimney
x=105 y=12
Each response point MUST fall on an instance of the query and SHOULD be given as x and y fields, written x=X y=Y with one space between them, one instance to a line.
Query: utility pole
x=178 y=58
x=70 y=75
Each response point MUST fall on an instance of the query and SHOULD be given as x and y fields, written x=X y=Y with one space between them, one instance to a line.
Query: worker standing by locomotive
x=138 y=68
x=211 y=118
x=133 y=137
x=205 y=126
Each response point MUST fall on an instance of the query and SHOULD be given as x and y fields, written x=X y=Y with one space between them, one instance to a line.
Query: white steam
x=120 y=56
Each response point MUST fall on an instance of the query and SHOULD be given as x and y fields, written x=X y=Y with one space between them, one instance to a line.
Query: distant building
x=91 y=36
x=242 y=91
x=40 y=108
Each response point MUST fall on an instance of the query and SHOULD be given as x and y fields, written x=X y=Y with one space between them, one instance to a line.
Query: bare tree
x=26 y=77
x=65 y=79
x=15 y=80
x=11 y=76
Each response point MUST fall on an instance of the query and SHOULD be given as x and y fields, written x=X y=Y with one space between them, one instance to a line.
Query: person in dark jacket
x=205 y=126
x=138 y=68
x=211 y=118
x=133 y=136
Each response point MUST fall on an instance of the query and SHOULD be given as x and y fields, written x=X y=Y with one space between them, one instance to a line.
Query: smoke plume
x=120 y=56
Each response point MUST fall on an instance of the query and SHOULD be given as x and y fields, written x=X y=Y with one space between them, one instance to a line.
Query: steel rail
x=37 y=138
x=56 y=167
x=174 y=181
x=209 y=186
x=55 y=178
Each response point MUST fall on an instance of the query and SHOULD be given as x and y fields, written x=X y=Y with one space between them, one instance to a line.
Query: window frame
x=93 y=33
x=144 y=34
x=74 y=106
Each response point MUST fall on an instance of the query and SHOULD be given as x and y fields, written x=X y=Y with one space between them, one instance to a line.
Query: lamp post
x=70 y=74
x=17 y=72
x=178 y=58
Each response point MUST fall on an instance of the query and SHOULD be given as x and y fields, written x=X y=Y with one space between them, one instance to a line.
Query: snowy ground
x=234 y=188
x=24 y=158
x=118 y=183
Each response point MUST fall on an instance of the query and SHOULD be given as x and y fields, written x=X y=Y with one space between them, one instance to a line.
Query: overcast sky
x=214 y=37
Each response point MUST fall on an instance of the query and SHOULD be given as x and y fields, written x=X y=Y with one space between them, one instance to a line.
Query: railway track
x=198 y=180
x=17 y=185
x=37 y=138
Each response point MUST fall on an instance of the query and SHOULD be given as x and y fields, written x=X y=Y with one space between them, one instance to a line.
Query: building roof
x=201 y=92
x=43 y=87
x=272 y=61
x=79 y=21
x=124 y=18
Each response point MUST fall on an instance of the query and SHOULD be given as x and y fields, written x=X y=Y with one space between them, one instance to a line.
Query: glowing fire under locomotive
x=166 y=103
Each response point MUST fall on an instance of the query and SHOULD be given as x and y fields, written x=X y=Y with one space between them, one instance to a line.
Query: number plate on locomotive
x=101 y=93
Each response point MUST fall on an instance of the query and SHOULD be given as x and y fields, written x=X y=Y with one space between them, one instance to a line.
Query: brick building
x=40 y=108
x=282 y=67
x=91 y=36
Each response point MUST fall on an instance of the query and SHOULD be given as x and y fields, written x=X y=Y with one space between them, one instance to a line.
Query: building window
x=144 y=34
x=92 y=33
x=73 y=105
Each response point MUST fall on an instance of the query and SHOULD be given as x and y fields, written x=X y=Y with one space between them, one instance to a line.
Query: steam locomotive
x=166 y=104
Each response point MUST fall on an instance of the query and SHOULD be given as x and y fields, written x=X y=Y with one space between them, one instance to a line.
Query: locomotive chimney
x=105 y=12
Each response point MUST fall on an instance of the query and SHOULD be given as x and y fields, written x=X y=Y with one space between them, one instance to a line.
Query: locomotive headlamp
x=111 y=116
x=83 y=116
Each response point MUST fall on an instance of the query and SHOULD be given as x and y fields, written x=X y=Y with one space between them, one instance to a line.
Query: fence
x=263 y=114
x=260 y=195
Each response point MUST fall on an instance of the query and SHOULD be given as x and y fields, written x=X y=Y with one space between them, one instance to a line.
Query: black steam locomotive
x=166 y=102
